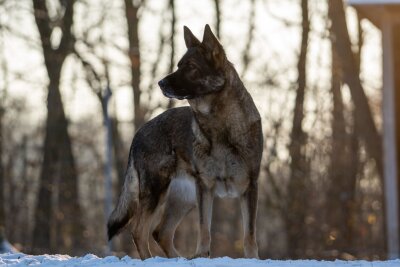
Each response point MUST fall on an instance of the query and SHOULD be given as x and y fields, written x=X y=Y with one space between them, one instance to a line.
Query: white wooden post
x=389 y=141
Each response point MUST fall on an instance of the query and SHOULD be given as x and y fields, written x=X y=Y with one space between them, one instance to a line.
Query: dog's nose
x=161 y=83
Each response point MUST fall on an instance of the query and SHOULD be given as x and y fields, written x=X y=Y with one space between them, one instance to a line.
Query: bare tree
x=3 y=93
x=350 y=64
x=172 y=38
x=57 y=227
x=132 y=20
x=2 y=198
x=250 y=38
x=217 y=4
x=343 y=168
x=297 y=187
x=363 y=115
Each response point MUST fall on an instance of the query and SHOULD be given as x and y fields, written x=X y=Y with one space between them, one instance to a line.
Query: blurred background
x=78 y=78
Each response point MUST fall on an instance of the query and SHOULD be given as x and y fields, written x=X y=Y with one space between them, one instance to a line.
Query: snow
x=20 y=259
x=5 y=247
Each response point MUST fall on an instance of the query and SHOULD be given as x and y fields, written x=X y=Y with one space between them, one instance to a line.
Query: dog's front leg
x=205 y=199
x=248 y=203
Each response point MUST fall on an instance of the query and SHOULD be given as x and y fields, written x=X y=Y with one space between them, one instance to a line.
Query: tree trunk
x=171 y=101
x=58 y=170
x=217 y=5
x=363 y=116
x=132 y=19
x=119 y=152
x=249 y=42
x=58 y=228
x=296 y=206
x=363 y=119
x=342 y=171
x=24 y=206
x=2 y=199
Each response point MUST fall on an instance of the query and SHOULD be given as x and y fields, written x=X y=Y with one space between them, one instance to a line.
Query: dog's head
x=200 y=71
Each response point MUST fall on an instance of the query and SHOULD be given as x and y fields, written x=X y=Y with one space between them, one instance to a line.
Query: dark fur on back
x=153 y=154
x=155 y=150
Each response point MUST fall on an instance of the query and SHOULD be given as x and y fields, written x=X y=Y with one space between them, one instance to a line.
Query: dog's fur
x=187 y=155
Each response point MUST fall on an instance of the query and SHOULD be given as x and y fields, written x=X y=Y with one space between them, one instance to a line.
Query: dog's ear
x=211 y=43
x=190 y=39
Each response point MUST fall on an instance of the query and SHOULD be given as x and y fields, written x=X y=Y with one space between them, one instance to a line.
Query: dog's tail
x=128 y=202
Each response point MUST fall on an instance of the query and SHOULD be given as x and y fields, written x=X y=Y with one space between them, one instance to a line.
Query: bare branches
x=67 y=39
x=156 y=63
x=217 y=18
x=363 y=115
x=43 y=21
x=246 y=53
x=45 y=27
x=26 y=38
x=132 y=19
x=299 y=167
x=172 y=38
x=285 y=21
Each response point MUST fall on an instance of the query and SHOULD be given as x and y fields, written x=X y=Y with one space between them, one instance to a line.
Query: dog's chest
x=223 y=170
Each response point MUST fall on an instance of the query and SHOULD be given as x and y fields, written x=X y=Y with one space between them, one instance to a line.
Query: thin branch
x=218 y=18
x=43 y=22
x=246 y=53
x=172 y=55
x=67 y=39
x=27 y=39
x=285 y=21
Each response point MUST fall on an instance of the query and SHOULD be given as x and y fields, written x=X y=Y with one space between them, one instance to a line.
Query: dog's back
x=154 y=154
x=157 y=149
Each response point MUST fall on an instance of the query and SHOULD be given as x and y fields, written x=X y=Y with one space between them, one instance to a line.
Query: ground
x=20 y=259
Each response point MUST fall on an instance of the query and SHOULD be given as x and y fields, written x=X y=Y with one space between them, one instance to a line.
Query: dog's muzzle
x=168 y=91
x=162 y=83
x=164 y=88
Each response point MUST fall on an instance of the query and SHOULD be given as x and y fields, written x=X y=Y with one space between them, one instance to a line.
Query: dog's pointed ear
x=190 y=39
x=209 y=39
x=211 y=43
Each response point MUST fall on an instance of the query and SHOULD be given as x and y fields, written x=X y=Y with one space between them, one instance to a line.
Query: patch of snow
x=5 y=247
x=21 y=260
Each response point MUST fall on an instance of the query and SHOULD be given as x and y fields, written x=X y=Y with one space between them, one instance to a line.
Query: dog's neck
x=202 y=105
x=226 y=106
x=232 y=91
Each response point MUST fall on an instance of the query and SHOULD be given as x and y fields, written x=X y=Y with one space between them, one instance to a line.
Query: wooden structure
x=385 y=14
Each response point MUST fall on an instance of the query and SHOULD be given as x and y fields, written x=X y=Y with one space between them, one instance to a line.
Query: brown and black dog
x=185 y=156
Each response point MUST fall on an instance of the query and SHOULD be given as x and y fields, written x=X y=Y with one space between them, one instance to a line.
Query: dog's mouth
x=168 y=91
x=170 y=95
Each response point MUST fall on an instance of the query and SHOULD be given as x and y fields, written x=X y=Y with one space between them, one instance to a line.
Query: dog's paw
x=205 y=254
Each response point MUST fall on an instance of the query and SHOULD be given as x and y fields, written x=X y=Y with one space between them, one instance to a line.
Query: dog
x=187 y=155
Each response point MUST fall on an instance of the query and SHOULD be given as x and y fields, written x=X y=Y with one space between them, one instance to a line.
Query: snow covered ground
x=20 y=259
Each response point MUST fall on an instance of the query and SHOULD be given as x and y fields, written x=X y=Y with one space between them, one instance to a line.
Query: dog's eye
x=191 y=66
x=194 y=72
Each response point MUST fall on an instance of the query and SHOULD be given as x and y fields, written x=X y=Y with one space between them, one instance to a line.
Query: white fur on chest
x=183 y=187
x=224 y=172
x=225 y=188
x=201 y=105
x=221 y=169
x=204 y=108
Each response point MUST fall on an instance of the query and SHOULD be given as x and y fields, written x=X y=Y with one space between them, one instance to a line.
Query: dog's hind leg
x=248 y=203
x=180 y=201
x=140 y=234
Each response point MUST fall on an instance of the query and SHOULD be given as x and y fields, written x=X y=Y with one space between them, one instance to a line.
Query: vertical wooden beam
x=396 y=72
x=389 y=140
